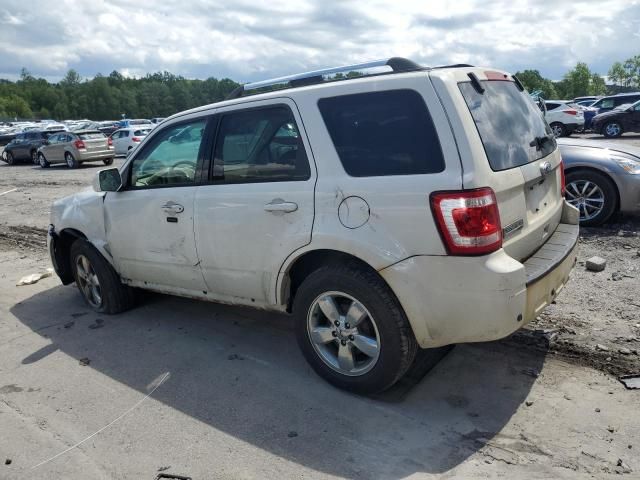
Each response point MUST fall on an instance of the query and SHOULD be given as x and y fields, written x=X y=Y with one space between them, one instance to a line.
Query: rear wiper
x=539 y=142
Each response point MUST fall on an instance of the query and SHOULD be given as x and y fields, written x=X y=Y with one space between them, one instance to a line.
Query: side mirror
x=108 y=180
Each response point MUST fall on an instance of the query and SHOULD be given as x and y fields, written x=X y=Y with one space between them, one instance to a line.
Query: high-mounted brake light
x=468 y=220
x=79 y=144
x=110 y=141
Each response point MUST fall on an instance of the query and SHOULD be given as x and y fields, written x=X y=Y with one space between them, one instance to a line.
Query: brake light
x=570 y=112
x=562 y=181
x=468 y=220
x=136 y=139
x=110 y=141
x=79 y=144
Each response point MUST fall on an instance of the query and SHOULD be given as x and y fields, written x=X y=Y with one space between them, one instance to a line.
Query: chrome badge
x=545 y=168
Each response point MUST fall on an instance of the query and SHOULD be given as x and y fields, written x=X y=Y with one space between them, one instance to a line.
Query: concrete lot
x=232 y=397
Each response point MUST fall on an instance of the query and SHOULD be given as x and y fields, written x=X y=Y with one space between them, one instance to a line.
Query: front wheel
x=594 y=194
x=612 y=130
x=558 y=129
x=352 y=330
x=43 y=161
x=34 y=157
x=97 y=281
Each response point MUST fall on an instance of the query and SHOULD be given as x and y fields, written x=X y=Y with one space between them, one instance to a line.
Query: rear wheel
x=10 y=159
x=558 y=129
x=97 y=281
x=71 y=162
x=594 y=194
x=612 y=130
x=108 y=161
x=352 y=330
x=34 y=157
x=43 y=161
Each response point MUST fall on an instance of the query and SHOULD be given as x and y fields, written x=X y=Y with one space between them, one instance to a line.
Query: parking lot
x=212 y=391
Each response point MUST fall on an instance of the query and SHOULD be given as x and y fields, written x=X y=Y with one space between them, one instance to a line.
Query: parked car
x=127 y=139
x=108 y=127
x=136 y=122
x=623 y=118
x=157 y=120
x=25 y=146
x=609 y=103
x=75 y=148
x=312 y=201
x=588 y=98
x=602 y=178
x=8 y=135
x=562 y=118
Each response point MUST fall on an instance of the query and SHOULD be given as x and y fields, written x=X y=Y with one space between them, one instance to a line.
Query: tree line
x=107 y=98
x=162 y=94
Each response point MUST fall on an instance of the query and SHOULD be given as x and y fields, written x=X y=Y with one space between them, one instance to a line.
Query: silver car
x=74 y=148
x=127 y=139
x=602 y=178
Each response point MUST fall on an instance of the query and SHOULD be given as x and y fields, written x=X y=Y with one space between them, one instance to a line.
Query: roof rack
x=397 y=65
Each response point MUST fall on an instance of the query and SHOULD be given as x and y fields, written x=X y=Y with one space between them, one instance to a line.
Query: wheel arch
x=62 y=252
x=601 y=171
x=297 y=269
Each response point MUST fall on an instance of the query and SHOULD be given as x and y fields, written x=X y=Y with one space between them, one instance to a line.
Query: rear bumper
x=572 y=127
x=450 y=299
x=93 y=156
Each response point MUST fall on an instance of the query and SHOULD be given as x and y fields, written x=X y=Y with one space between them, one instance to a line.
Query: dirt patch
x=32 y=239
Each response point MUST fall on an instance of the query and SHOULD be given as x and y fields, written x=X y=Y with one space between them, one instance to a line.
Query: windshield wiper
x=539 y=142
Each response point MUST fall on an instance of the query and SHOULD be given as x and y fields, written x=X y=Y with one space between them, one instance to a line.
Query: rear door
x=258 y=207
x=511 y=149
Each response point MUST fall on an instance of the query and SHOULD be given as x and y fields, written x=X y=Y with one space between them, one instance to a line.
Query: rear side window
x=510 y=125
x=383 y=133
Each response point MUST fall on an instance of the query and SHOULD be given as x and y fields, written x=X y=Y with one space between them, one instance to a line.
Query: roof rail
x=397 y=65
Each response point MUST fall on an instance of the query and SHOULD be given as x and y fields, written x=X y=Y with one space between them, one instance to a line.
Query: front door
x=150 y=222
x=258 y=207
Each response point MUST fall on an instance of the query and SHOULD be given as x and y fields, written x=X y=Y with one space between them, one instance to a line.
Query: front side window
x=606 y=103
x=169 y=159
x=511 y=128
x=260 y=145
x=383 y=133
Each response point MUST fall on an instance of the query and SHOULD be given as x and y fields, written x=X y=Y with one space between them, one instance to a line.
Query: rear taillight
x=468 y=220
x=562 y=181
x=79 y=144
x=110 y=141
x=136 y=139
x=570 y=112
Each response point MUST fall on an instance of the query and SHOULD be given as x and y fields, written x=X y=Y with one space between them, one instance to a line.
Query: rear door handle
x=279 y=205
x=172 y=207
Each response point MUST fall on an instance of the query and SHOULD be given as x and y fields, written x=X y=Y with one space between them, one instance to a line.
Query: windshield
x=141 y=133
x=511 y=128
x=624 y=106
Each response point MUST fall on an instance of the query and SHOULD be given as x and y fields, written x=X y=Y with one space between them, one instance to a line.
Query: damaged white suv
x=400 y=208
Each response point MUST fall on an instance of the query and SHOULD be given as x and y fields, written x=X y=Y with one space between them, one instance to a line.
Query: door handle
x=279 y=205
x=172 y=207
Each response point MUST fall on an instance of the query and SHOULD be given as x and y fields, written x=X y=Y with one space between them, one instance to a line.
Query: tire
x=113 y=297
x=383 y=321
x=605 y=194
x=108 y=161
x=10 y=158
x=612 y=130
x=558 y=129
x=71 y=162
x=42 y=161
x=34 y=157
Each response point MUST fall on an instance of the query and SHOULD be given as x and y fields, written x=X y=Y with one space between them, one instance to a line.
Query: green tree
x=533 y=81
x=14 y=106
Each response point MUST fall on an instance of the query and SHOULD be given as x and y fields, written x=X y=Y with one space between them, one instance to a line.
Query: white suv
x=563 y=117
x=408 y=208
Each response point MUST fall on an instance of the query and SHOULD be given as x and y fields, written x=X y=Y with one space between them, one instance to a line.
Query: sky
x=252 y=40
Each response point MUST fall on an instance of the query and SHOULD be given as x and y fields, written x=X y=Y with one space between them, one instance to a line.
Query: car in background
x=8 y=134
x=609 y=103
x=623 y=118
x=136 y=122
x=25 y=146
x=601 y=178
x=127 y=139
x=588 y=98
x=108 y=126
x=54 y=127
x=562 y=118
x=157 y=120
x=74 y=148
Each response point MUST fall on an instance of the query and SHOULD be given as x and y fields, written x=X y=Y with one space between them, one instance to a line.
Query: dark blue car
x=609 y=103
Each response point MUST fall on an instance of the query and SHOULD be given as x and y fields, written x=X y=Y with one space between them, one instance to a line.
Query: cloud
x=248 y=40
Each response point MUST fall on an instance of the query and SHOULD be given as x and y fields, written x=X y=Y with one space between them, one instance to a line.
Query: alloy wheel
x=613 y=129
x=343 y=333
x=587 y=197
x=88 y=281
x=557 y=130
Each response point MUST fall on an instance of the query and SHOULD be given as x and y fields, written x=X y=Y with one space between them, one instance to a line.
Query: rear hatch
x=94 y=141
x=508 y=146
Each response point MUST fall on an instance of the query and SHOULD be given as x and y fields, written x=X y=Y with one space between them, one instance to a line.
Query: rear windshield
x=91 y=136
x=510 y=125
